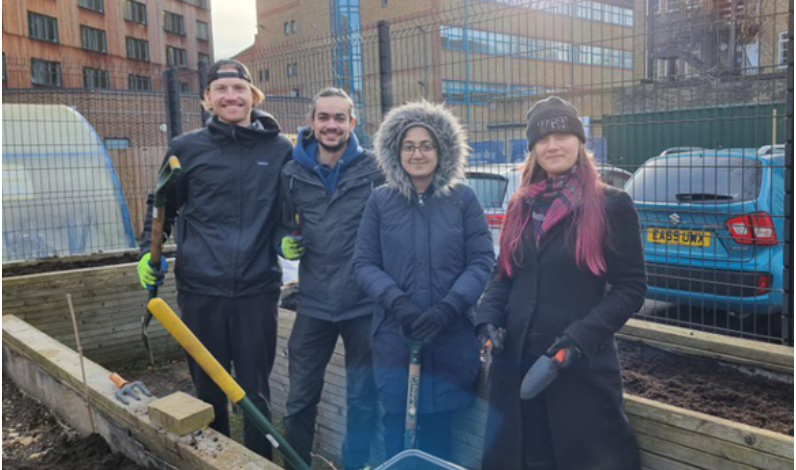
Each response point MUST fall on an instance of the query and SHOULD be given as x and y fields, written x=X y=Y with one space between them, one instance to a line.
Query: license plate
x=666 y=236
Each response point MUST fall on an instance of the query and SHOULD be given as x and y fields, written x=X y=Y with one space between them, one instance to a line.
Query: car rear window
x=490 y=189
x=698 y=180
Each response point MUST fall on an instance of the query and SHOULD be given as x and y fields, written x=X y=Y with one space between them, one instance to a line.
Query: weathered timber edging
x=50 y=372
x=723 y=348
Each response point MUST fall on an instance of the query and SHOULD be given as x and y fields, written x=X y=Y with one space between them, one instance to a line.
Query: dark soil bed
x=708 y=387
x=68 y=264
x=34 y=439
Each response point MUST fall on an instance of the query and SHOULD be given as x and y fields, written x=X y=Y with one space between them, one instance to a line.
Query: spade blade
x=539 y=376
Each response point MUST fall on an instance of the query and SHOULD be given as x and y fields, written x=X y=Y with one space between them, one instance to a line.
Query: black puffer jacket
x=225 y=205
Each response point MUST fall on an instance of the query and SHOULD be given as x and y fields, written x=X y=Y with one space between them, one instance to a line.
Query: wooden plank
x=656 y=462
x=711 y=445
x=769 y=442
x=680 y=453
x=748 y=350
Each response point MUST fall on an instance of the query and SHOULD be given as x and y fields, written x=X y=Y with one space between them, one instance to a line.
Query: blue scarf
x=306 y=154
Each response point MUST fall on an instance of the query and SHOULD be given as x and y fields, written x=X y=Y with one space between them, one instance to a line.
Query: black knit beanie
x=553 y=116
x=214 y=72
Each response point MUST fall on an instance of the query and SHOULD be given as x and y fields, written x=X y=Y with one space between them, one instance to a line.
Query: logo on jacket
x=675 y=219
x=262 y=163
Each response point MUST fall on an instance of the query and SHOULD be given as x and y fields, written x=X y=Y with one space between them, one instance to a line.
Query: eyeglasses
x=424 y=148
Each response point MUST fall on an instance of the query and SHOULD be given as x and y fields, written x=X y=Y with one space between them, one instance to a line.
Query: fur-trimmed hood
x=451 y=137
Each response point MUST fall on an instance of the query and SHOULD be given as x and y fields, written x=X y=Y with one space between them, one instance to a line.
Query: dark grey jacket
x=327 y=288
x=225 y=206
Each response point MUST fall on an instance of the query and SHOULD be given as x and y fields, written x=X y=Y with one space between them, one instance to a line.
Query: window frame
x=133 y=12
x=86 y=32
x=99 y=76
x=173 y=53
x=57 y=72
x=49 y=24
x=173 y=23
x=97 y=6
x=137 y=42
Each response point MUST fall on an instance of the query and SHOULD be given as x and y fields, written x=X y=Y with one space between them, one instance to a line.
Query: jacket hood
x=451 y=137
x=306 y=150
x=270 y=127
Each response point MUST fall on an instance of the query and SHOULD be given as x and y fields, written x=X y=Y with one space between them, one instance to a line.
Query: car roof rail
x=672 y=150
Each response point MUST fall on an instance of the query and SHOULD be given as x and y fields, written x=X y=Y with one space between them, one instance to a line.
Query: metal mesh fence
x=686 y=105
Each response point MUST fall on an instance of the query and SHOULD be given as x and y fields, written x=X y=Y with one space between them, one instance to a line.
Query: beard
x=333 y=148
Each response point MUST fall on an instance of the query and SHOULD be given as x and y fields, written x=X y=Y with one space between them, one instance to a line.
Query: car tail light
x=753 y=229
x=495 y=220
x=763 y=284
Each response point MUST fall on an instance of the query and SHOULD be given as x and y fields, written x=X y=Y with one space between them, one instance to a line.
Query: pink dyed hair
x=589 y=224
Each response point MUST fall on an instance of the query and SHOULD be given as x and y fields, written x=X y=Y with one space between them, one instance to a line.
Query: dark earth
x=66 y=264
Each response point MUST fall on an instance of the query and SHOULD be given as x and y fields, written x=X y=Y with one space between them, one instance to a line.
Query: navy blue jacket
x=435 y=248
x=225 y=209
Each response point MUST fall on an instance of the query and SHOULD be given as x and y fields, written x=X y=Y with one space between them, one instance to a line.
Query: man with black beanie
x=225 y=208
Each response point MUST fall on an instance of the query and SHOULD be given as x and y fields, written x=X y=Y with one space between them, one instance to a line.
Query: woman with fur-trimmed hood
x=424 y=254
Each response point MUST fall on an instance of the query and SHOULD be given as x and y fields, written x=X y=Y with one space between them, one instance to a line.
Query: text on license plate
x=666 y=236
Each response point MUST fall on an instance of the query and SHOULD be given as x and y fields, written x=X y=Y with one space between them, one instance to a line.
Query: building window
x=204 y=58
x=293 y=27
x=95 y=79
x=176 y=57
x=653 y=7
x=139 y=83
x=286 y=28
x=137 y=49
x=385 y=3
x=44 y=28
x=5 y=74
x=295 y=93
x=135 y=12
x=93 y=39
x=93 y=5
x=173 y=23
x=782 y=58
x=202 y=31
x=455 y=92
x=265 y=75
x=292 y=69
x=185 y=87
x=672 y=6
x=660 y=68
x=45 y=73
x=117 y=143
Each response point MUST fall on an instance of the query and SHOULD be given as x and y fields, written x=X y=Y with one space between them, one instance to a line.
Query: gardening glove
x=406 y=312
x=426 y=328
x=292 y=247
x=564 y=351
x=489 y=332
x=148 y=275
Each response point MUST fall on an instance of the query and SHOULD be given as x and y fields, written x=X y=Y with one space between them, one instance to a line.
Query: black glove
x=489 y=332
x=406 y=312
x=565 y=351
x=426 y=328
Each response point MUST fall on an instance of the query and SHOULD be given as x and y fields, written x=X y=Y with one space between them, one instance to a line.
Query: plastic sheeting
x=61 y=194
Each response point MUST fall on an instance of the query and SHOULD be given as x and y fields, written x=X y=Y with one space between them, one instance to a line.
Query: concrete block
x=180 y=413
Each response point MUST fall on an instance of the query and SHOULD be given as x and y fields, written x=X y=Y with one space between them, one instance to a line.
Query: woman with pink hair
x=570 y=274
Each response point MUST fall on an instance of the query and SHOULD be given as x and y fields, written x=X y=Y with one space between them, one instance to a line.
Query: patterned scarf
x=553 y=199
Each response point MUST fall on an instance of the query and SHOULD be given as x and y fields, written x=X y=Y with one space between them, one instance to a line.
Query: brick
x=180 y=413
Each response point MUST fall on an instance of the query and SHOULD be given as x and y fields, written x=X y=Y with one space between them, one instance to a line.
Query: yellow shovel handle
x=172 y=323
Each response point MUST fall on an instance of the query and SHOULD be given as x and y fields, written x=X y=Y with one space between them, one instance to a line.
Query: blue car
x=712 y=224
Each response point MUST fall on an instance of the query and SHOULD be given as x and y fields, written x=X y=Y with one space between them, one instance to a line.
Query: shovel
x=541 y=374
x=221 y=377
x=166 y=178
x=412 y=396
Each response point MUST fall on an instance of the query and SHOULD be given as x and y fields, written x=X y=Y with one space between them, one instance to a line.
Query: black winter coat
x=432 y=249
x=328 y=290
x=547 y=297
x=225 y=205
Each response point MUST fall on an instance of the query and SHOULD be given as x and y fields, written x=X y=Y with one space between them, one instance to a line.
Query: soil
x=705 y=386
x=67 y=264
x=34 y=439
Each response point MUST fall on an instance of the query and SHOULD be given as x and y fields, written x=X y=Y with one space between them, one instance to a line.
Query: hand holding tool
x=150 y=276
x=128 y=389
x=406 y=312
x=292 y=247
x=166 y=178
x=562 y=354
x=492 y=335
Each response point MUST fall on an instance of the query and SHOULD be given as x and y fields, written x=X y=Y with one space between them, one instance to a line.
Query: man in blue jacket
x=225 y=206
x=324 y=192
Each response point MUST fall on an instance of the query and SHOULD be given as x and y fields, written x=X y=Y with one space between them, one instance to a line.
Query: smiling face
x=332 y=123
x=231 y=99
x=419 y=155
x=556 y=154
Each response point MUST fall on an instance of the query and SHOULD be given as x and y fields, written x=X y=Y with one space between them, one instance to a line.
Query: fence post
x=787 y=309
x=171 y=88
x=385 y=67
x=202 y=85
